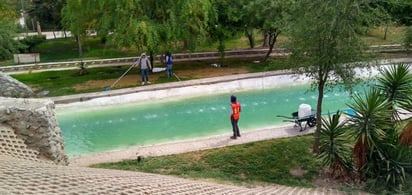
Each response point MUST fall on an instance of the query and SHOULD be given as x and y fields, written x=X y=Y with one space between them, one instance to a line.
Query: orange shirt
x=235 y=110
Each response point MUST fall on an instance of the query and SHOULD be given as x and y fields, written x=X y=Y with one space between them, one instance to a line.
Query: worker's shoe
x=142 y=83
x=148 y=82
x=232 y=137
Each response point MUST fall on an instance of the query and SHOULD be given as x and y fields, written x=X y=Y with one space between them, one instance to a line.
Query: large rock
x=34 y=121
x=10 y=87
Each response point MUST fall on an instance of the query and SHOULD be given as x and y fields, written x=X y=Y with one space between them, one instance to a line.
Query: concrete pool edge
x=163 y=86
x=206 y=81
x=182 y=146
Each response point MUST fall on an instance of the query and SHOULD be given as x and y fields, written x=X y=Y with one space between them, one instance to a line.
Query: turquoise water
x=107 y=128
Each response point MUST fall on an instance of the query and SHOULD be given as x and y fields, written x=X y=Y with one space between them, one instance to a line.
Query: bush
x=32 y=41
x=407 y=41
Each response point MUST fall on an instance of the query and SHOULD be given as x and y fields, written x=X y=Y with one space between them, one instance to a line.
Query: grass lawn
x=65 y=82
x=286 y=161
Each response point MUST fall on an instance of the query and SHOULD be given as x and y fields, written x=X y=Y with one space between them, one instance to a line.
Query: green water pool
x=113 y=127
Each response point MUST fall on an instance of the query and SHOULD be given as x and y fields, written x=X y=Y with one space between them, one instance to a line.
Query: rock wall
x=10 y=87
x=34 y=121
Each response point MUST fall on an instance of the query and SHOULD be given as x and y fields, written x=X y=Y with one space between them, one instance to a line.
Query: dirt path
x=134 y=79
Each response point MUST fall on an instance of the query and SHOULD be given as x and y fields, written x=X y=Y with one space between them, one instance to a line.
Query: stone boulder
x=10 y=87
x=34 y=121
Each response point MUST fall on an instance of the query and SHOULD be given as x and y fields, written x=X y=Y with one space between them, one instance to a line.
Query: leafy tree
x=325 y=43
x=234 y=17
x=78 y=18
x=141 y=24
x=47 y=12
x=400 y=10
x=194 y=20
x=271 y=18
x=8 y=29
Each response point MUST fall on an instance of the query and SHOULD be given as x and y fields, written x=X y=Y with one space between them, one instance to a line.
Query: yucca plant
x=368 y=125
x=334 y=149
x=407 y=104
x=390 y=173
x=396 y=84
x=406 y=135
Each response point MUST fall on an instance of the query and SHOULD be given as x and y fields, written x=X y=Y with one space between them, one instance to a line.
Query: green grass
x=376 y=36
x=254 y=163
x=60 y=83
x=63 y=82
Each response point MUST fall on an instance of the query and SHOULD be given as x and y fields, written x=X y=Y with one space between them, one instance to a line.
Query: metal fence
x=36 y=67
x=247 y=53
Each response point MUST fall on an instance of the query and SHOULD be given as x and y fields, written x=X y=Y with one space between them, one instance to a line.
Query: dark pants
x=235 y=128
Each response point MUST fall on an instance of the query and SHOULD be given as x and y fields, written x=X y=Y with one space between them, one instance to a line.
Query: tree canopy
x=47 y=12
x=140 y=24
x=325 y=42
x=8 y=29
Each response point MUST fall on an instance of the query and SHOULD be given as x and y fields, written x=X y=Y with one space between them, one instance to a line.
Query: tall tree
x=8 y=19
x=78 y=17
x=325 y=43
x=400 y=10
x=141 y=24
x=47 y=12
x=271 y=18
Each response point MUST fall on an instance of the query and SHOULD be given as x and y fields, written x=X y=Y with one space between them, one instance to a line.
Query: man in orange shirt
x=234 y=116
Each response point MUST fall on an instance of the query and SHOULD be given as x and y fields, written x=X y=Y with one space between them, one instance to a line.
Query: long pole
x=122 y=76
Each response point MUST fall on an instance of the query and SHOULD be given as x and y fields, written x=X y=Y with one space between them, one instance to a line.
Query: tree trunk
x=79 y=45
x=386 y=32
x=251 y=39
x=272 y=40
x=266 y=39
x=38 y=28
x=316 y=142
x=151 y=59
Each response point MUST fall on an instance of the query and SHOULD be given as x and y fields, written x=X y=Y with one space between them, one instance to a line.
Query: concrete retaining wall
x=27 y=58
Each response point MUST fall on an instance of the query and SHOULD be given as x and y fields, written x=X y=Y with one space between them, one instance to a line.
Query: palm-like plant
x=396 y=84
x=368 y=126
x=406 y=135
x=407 y=104
x=333 y=149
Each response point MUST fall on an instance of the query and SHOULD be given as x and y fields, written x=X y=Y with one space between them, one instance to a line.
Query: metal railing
x=247 y=53
x=36 y=67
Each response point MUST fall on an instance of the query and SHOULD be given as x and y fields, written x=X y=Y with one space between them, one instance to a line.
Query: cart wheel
x=312 y=122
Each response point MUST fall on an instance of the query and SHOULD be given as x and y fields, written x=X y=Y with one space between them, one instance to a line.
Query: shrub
x=32 y=41
x=407 y=40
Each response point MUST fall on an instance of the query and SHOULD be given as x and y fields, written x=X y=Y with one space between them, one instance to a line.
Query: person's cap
x=143 y=54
